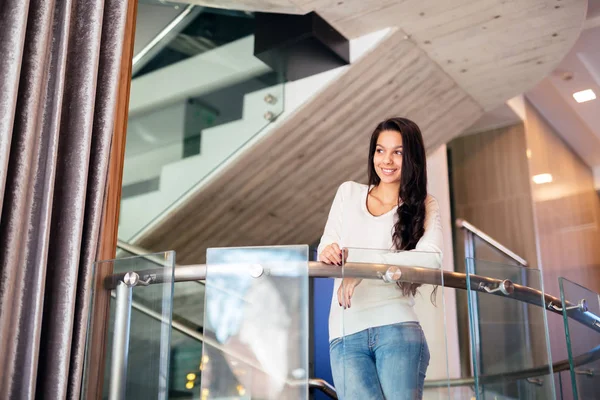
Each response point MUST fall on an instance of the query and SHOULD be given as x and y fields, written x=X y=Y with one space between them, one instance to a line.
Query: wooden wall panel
x=490 y=188
x=567 y=214
x=555 y=226
x=490 y=182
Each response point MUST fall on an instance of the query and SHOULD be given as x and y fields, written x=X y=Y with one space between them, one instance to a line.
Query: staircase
x=442 y=64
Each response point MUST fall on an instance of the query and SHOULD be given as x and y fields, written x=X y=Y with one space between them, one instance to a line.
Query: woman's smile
x=388 y=171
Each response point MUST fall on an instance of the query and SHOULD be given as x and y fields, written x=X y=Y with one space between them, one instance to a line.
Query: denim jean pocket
x=335 y=342
x=410 y=324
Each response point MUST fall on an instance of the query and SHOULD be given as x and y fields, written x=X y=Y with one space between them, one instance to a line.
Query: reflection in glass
x=256 y=323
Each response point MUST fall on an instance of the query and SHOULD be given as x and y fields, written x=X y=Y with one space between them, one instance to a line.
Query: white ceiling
x=578 y=124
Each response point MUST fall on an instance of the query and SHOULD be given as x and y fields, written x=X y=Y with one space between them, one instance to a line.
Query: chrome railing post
x=120 y=345
x=474 y=324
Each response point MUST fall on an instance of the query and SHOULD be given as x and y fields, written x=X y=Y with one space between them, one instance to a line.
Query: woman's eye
x=399 y=153
x=379 y=151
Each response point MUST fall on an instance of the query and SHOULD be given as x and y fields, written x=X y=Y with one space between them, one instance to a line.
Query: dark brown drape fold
x=59 y=75
x=113 y=31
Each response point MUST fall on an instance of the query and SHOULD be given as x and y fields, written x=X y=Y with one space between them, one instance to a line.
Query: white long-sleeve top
x=369 y=239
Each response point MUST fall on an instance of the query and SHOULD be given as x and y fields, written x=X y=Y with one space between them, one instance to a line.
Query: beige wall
x=567 y=214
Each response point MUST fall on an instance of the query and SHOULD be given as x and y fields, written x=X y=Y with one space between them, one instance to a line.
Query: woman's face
x=387 y=159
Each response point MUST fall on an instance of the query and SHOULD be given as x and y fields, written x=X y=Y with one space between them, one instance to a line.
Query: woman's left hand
x=346 y=290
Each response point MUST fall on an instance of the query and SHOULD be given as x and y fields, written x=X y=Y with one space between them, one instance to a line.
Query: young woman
x=380 y=351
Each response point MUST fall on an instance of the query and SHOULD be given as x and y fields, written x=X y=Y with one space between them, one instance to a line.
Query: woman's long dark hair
x=410 y=226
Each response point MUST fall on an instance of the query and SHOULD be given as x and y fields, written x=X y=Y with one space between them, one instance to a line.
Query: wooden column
x=110 y=218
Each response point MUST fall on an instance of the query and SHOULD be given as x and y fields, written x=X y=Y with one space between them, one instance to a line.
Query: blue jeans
x=386 y=362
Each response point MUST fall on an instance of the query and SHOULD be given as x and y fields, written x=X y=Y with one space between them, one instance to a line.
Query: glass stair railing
x=243 y=332
x=198 y=96
x=509 y=336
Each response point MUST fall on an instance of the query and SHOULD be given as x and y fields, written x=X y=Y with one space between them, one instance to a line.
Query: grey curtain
x=59 y=71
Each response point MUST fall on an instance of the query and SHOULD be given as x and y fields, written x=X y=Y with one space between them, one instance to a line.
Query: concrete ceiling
x=444 y=65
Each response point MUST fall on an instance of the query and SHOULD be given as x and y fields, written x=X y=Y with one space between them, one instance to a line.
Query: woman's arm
x=333 y=228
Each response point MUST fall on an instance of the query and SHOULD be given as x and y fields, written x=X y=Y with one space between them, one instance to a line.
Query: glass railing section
x=243 y=331
x=256 y=324
x=483 y=250
x=475 y=244
x=509 y=332
x=193 y=107
x=187 y=333
x=186 y=340
x=581 y=314
x=388 y=336
x=139 y=328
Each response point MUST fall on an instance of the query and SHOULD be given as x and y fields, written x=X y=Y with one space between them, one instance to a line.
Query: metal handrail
x=323 y=386
x=158 y=42
x=457 y=280
x=461 y=223
x=152 y=257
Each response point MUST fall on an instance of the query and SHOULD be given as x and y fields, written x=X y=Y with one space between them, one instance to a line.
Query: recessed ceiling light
x=584 y=95
x=542 y=178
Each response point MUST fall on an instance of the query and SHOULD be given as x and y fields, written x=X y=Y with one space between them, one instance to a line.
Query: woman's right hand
x=332 y=254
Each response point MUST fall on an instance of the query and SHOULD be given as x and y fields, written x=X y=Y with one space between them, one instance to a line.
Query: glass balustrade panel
x=509 y=334
x=138 y=362
x=256 y=324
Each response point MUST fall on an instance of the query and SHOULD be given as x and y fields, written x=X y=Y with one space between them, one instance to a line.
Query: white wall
x=439 y=323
